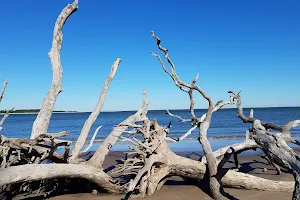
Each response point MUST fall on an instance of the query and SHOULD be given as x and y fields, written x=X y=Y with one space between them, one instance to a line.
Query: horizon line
x=74 y=111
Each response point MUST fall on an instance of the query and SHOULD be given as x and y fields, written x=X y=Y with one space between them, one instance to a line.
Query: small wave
x=216 y=137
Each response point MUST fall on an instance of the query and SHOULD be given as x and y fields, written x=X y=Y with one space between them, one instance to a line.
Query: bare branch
x=5 y=117
x=93 y=116
x=178 y=117
x=99 y=156
x=187 y=133
x=3 y=89
x=292 y=124
x=251 y=115
x=214 y=182
x=41 y=123
x=226 y=157
x=58 y=135
x=218 y=106
x=92 y=140
x=251 y=119
x=175 y=140
x=171 y=75
x=179 y=82
x=192 y=104
x=284 y=129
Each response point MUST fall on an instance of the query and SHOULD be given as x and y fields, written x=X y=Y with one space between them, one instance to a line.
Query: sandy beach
x=177 y=188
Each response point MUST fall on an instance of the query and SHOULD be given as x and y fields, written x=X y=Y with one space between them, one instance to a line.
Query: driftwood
x=41 y=123
x=3 y=90
x=274 y=144
x=92 y=140
x=150 y=162
x=153 y=161
x=202 y=123
x=8 y=111
x=42 y=146
x=93 y=116
x=99 y=156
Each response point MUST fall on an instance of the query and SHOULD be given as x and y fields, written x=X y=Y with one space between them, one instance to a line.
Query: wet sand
x=178 y=189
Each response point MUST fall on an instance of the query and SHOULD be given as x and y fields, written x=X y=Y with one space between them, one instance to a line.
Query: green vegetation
x=31 y=111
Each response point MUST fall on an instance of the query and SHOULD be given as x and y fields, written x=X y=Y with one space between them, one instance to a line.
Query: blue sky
x=248 y=45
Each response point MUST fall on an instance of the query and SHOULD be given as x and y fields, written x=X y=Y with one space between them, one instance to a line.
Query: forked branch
x=179 y=83
x=284 y=129
x=203 y=124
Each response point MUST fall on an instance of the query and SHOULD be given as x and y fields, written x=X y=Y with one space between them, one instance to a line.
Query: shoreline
x=163 y=110
x=35 y=113
x=178 y=188
x=189 y=145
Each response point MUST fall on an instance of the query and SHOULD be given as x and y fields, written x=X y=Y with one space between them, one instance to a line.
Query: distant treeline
x=31 y=111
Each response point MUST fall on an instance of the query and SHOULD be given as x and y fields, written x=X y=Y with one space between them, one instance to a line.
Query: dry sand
x=178 y=189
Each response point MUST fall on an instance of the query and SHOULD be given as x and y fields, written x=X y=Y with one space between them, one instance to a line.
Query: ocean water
x=226 y=128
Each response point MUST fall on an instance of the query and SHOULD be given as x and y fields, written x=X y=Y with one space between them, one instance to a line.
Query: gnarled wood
x=152 y=167
x=203 y=123
x=278 y=151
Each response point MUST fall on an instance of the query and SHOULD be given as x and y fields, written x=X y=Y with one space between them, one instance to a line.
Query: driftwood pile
x=150 y=162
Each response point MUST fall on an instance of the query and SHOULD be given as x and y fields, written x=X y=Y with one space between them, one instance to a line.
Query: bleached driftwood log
x=41 y=123
x=36 y=172
x=93 y=116
x=279 y=152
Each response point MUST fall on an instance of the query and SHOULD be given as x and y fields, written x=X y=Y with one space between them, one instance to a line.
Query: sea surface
x=226 y=128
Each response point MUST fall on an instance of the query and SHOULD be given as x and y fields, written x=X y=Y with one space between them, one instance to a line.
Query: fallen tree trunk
x=274 y=145
x=193 y=169
x=279 y=152
x=35 y=172
x=166 y=162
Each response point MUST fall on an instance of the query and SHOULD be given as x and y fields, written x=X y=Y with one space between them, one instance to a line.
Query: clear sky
x=248 y=45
